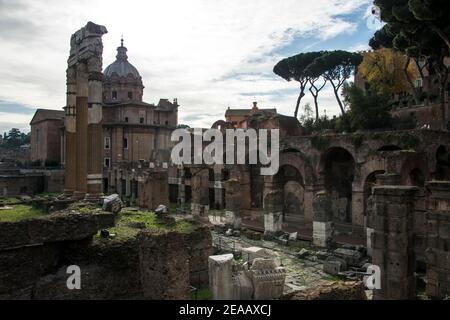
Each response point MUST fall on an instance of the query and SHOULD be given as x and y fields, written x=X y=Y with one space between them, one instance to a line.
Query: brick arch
x=437 y=164
x=373 y=163
x=297 y=160
x=223 y=124
x=320 y=168
x=413 y=162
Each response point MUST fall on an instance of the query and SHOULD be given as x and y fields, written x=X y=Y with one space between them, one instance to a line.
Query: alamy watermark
x=372 y=279
x=242 y=146
x=74 y=280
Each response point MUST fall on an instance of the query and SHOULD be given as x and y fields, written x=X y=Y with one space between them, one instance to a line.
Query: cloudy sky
x=210 y=54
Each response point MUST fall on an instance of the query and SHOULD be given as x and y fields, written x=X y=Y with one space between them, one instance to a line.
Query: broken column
x=385 y=179
x=181 y=187
x=94 y=125
x=323 y=220
x=84 y=109
x=220 y=276
x=233 y=201
x=393 y=242
x=200 y=194
x=273 y=213
x=70 y=134
x=438 y=240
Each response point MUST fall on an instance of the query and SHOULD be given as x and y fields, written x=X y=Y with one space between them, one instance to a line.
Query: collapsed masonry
x=256 y=279
x=408 y=231
x=151 y=264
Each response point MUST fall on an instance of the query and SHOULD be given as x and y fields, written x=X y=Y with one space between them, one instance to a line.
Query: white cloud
x=359 y=47
x=14 y=120
x=192 y=50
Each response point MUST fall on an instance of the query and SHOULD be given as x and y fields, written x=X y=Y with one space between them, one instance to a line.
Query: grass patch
x=129 y=223
x=202 y=294
x=20 y=212
x=48 y=194
x=10 y=201
x=335 y=278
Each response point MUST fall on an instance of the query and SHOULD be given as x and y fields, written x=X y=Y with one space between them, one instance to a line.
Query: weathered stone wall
x=35 y=254
x=438 y=240
x=15 y=183
x=164 y=266
x=199 y=248
x=392 y=240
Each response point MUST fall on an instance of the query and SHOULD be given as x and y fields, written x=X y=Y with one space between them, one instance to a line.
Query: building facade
x=135 y=136
x=46 y=144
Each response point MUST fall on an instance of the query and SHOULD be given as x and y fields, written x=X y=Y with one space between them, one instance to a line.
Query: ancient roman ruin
x=350 y=215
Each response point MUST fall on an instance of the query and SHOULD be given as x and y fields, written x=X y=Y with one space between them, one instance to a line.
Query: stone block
x=220 y=276
x=273 y=221
x=351 y=257
x=322 y=233
x=164 y=265
x=112 y=203
x=268 y=279
x=334 y=266
x=251 y=253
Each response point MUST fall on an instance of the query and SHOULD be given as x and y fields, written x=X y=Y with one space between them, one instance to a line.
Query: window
x=125 y=143
x=130 y=95
x=114 y=95
x=167 y=123
x=141 y=120
x=107 y=162
x=126 y=119
x=107 y=142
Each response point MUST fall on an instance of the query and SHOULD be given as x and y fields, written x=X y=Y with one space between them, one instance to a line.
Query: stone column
x=438 y=240
x=233 y=200
x=181 y=187
x=200 y=194
x=385 y=179
x=81 y=130
x=95 y=132
x=83 y=127
x=218 y=189
x=273 y=213
x=393 y=241
x=70 y=133
x=323 y=220
x=220 y=276
x=357 y=207
x=370 y=216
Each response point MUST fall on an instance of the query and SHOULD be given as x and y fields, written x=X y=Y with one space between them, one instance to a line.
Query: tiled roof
x=245 y=112
x=47 y=114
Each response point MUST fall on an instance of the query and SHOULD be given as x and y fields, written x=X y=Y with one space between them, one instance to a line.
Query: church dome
x=121 y=67
x=121 y=80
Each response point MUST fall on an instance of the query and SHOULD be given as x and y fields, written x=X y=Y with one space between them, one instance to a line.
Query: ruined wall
x=35 y=254
x=392 y=240
x=153 y=190
x=438 y=240
x=199 y=248
x=21 y=184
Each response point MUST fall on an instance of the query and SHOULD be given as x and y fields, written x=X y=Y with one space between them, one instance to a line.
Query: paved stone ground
x=301 y=273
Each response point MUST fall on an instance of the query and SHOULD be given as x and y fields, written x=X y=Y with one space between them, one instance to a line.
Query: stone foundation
x=35 y=254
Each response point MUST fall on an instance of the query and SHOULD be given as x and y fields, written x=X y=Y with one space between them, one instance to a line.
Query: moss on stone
x=129 y=223
x=320 y=143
